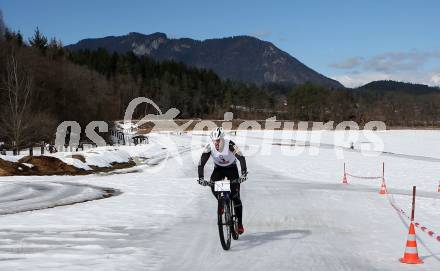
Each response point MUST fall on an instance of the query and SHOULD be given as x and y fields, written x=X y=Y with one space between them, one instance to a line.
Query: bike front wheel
x=224 y=224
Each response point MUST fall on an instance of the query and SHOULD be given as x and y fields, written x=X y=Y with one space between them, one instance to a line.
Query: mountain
x=239 y=58
x=389 y=85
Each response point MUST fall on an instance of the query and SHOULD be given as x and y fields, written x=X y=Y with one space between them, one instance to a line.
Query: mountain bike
x=227 y=219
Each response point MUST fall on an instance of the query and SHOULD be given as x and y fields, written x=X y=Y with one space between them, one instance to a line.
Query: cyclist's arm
x=203 y=159
x=236 y=151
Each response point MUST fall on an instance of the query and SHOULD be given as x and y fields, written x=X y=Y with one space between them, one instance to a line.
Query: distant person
x=225 y=153
x=50 y=148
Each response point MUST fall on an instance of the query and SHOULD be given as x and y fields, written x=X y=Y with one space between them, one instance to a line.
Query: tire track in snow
x=20 y=197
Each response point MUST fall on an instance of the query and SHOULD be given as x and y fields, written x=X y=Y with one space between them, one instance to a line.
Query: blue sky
x=352 y=41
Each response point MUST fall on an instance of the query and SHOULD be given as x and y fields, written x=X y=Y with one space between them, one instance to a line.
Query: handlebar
x=211 y=183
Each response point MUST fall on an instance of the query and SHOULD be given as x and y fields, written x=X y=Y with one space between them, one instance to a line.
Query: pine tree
x=38 y=40
x=55 y=48
x=8 y=34
x=19 y=38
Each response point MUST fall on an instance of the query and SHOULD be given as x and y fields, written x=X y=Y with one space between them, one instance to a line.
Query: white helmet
x=217 y=133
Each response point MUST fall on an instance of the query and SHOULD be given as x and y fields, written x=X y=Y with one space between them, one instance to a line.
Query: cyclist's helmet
x=217 y=133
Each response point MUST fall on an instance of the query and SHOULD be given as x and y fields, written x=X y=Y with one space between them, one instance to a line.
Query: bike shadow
x=252 y=240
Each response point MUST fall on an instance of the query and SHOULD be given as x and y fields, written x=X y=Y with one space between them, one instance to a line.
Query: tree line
x=197 y=93
x=95 y=85
x=43 y=84
x=402 y=107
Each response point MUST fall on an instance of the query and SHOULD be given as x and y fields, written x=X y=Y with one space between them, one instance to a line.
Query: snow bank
x=11 y=158
x=103 y=157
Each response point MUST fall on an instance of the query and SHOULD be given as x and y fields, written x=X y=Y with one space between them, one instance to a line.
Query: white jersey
x=226 y=156
x=223 y=157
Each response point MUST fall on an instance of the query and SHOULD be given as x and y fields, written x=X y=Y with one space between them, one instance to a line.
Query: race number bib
x=222 y=186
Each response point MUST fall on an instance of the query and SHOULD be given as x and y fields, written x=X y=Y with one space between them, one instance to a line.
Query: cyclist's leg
x=238 y=206
x=232 y=174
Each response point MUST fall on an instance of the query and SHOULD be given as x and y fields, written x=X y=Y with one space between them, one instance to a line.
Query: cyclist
x=224 y=152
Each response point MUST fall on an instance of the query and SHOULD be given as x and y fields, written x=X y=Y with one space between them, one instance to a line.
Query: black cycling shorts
x=230 y=172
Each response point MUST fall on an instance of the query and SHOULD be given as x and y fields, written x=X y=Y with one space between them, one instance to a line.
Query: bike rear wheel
x=224 y=225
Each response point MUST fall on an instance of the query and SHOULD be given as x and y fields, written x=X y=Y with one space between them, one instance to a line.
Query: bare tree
x=17 y=88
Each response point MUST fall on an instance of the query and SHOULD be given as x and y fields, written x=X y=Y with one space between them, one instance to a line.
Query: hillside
x=239 y=58
x=389 y=85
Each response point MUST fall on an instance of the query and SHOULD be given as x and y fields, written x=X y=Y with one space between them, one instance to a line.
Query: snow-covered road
x=297 y=214
x=298 y=224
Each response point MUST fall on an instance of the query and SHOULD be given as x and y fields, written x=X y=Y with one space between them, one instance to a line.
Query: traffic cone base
x=411 y=256
x=344 y=179
x=407 y=258
x=383 y=188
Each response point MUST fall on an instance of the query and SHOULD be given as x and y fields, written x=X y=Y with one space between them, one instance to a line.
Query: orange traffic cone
x=344 y=179
x=411 y=255
x=383 y=188
x=438 y=190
